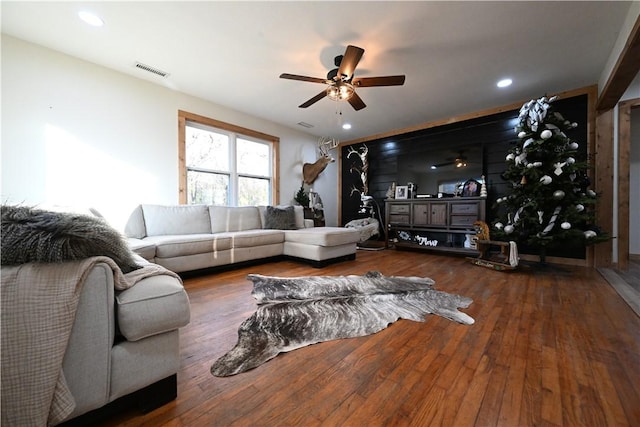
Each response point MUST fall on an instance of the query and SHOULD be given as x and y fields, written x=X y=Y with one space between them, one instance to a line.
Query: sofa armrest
x=87 y=361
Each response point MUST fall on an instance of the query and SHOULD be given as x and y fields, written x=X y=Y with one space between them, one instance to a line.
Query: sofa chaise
x=185 y=238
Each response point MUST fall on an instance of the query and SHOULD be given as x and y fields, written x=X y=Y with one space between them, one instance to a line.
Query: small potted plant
x=302 y=198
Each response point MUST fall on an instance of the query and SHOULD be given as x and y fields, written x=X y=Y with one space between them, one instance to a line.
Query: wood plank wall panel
x=494 y=133
x=604 y=185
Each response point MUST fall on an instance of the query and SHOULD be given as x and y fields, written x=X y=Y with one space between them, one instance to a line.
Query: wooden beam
x=623 y=73
x=591 y=90
x=604 y=185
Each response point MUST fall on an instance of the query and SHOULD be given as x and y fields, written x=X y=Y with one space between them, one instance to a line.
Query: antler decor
x=310 y=171
x=362 y=169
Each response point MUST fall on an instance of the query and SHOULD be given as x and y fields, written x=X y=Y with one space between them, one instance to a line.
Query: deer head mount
x=310 y=171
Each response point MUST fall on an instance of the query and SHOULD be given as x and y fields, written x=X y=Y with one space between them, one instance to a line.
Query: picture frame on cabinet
x=402 y=192
x=471 y=188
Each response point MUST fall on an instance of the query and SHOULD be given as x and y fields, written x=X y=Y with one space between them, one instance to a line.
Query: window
x=223 y=164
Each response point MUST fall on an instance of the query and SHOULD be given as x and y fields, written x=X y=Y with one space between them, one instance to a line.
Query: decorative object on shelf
x=426 y=241
x=483 y=187
x=412 y=190
x=310 y=171
x=315 y=204
x=405 y=236
x=391 y=192
x=402 y=192
x=471 y=188
x=547 y=183
x=469 y=242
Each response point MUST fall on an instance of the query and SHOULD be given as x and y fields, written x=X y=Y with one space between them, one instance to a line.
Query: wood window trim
x=185 y=116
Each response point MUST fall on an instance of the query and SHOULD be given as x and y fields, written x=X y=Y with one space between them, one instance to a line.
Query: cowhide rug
x=300 y=311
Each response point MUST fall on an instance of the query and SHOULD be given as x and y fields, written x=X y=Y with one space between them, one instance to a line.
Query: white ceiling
x=231 y=53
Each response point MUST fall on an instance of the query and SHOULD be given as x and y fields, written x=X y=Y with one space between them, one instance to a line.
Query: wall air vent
x=305 y=125
x=151 y=69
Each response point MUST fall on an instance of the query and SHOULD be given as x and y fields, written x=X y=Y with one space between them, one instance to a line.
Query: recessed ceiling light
x=90 y=18
x=504 y=83
x=346 y=126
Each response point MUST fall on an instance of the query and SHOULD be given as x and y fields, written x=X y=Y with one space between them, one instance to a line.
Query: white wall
x=78 y=134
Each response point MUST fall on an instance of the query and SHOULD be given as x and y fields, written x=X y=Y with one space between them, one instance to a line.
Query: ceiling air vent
x=305 y=125
x=151 y=69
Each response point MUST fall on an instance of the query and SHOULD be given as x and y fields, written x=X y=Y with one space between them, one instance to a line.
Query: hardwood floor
x=552 y=346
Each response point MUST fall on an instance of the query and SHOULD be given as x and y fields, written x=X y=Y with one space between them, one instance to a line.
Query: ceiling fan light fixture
x=340 y=91
x=91 y=18
x=504 y=83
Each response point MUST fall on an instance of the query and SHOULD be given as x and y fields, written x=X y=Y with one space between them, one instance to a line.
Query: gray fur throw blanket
x=36 y=235
x=297 y=312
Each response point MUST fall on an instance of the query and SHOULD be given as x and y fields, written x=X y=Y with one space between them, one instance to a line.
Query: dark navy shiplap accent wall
x=494 y=134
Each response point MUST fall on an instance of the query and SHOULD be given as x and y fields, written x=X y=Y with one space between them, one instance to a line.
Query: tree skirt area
x=299 y=311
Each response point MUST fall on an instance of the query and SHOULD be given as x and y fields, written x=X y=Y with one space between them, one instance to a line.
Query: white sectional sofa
x=192 y=237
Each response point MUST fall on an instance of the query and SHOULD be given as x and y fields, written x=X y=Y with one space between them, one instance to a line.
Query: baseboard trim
x=144 y=400
x=325 y=262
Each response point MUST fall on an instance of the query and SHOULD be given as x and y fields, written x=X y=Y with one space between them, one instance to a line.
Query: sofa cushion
x=154 y=305
x=253 y=238
x=237 y=218
x=37 y=235
x=144 y=248
x=298 y=212
x=180 y=219
x=135 y=224
x=322 y=236
x=189 y=244
x=280 y=218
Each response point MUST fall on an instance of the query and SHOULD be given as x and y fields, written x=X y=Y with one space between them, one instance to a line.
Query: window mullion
x=233 y=166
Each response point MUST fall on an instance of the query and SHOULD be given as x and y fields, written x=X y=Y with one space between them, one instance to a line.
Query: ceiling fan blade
x=350 y=61
x=439 y=165
x=313 y=100
x=303 y=78
x=378 y=81
x=356 y=102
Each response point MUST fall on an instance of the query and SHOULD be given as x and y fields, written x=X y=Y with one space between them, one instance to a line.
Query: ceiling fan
x=459 y=161
x=341 y=82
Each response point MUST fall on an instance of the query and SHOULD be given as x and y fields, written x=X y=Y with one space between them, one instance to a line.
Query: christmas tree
x=550 y=202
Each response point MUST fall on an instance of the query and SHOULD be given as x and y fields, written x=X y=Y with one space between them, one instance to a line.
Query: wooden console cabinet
x=434 y=224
